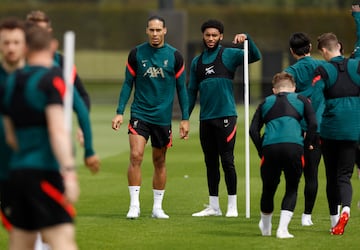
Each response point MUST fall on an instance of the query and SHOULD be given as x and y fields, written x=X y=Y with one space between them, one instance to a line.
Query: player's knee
x=136 y=158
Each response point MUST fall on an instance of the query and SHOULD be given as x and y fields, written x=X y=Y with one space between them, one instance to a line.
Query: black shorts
x=37 y=200
x=161 y=136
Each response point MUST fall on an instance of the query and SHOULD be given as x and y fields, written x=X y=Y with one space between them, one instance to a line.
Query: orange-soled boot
x=339 y=228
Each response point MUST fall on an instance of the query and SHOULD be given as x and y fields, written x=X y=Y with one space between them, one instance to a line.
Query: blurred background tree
x=266 y=3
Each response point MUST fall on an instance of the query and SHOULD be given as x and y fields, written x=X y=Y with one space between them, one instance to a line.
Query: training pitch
x=104 y=201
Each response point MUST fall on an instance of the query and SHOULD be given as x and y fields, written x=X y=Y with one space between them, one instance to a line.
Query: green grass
x=104 y=201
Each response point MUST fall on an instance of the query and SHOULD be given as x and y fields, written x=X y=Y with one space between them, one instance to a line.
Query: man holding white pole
x=212 y=75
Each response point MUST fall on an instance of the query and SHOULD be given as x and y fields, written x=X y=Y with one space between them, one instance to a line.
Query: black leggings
x=312 y=160
x=217 y=137
x=287 y=157
x=339 y=160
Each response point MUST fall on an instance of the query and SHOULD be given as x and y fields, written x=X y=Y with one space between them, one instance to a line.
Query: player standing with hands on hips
x=212 y=75
x=155 y=70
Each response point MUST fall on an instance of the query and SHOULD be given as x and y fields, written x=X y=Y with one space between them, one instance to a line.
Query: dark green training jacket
x=26 y=95
x=155 y=74
x=281 y=114
x=215 y=82
x=303 y=72
x=339 y=82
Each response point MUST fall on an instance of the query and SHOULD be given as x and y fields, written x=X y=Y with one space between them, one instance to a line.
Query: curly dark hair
x=212 y=23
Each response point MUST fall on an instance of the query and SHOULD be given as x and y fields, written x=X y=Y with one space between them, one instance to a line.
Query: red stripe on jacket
x=178 y=74
x=131 y=70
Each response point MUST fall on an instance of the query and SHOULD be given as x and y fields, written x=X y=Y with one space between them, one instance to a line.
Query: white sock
x=266 y=219
x=285 y=218
x=232 y=201
x=134 y=195
x=346 y=209
x=334 y=220
x=38 y=242
x=214 y=202
x=158 y=198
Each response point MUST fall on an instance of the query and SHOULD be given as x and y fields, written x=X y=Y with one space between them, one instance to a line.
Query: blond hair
x=283 y=80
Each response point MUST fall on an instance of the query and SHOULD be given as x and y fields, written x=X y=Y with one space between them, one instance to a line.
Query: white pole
x=69 y=48
x=247 y=150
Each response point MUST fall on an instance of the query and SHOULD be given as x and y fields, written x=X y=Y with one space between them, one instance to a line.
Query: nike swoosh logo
x=211 y=67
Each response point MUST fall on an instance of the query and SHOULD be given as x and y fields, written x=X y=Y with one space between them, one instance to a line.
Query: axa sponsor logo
x=154 y=72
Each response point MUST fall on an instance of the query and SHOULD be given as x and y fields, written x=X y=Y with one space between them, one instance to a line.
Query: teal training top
x=341 y=117
x=303 y=73
x=155 y=74
x=83 y=118
x=27 y=94
x=81 y=110
x=281 y=114
x=59 y=61
x=5 y=151
x=216 y=93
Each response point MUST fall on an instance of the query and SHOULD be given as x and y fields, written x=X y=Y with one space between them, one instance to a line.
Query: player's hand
x=117 y=121
x=71 y=185
x=239 y=38
x=93 y=163
x=184 y=129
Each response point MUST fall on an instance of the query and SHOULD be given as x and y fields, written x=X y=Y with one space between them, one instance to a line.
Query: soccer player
x=338 y=81
x=212 y=75
x=154 y=69
x=12 y=50
x=281 y=148
x=43 y=181
x=81 y=97
x=303 y=73
x=40 y=18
